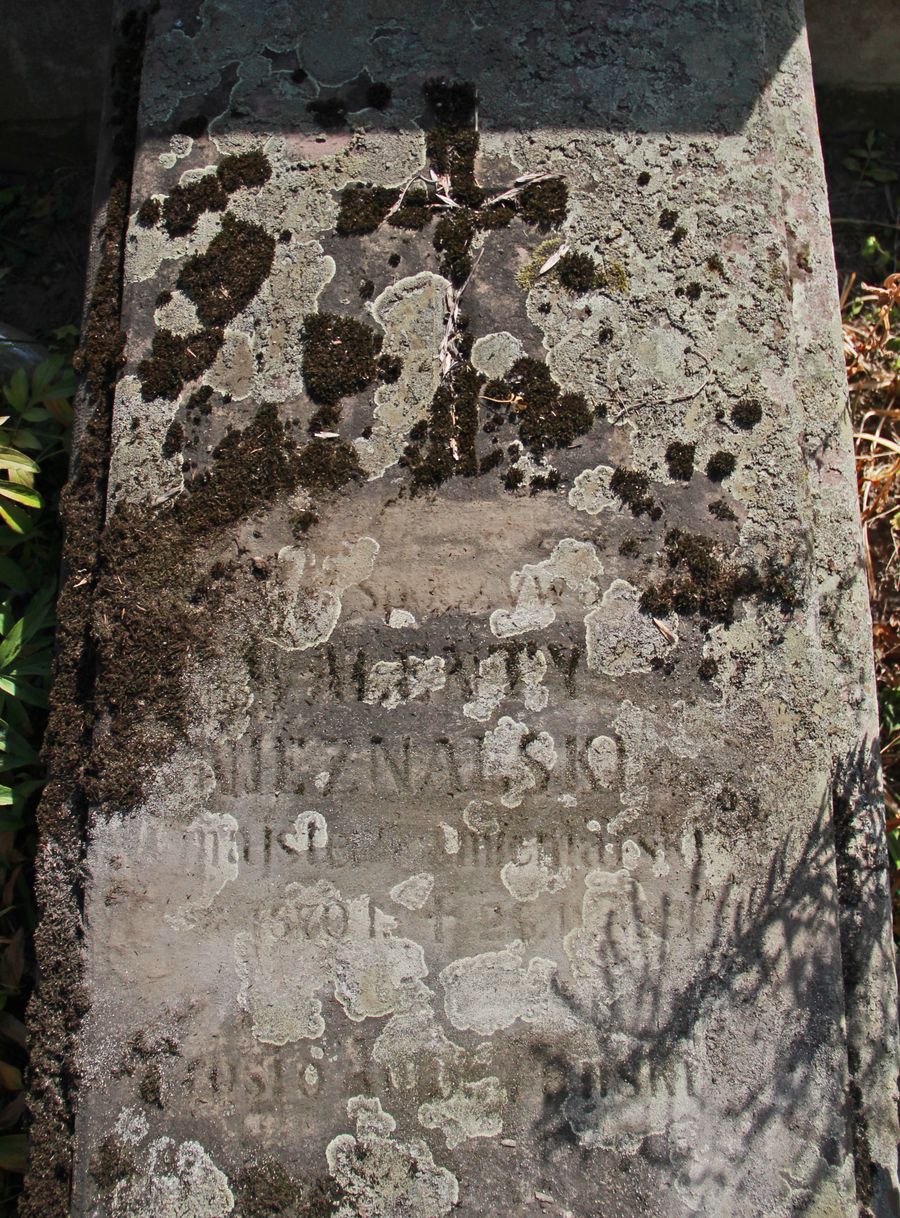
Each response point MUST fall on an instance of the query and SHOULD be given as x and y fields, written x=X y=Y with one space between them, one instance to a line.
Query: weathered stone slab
x=482 y=678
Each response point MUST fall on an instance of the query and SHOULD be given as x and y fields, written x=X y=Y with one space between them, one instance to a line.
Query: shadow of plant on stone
x=666 y=1033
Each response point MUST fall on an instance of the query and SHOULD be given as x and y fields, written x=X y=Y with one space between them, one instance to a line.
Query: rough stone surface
x=465 y=837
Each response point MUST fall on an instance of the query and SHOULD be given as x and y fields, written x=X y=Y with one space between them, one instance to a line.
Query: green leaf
x=11 y=458
x=14 y=1152
x=852 y=164
x=16 y=390
x=20 y=689
x=26 y=438
x=15 y=518
x=12 y=576
x=12 y=643
x=45 y=374
x=37 y=665
x=18 y=716
x=36 y=414
x=10 y=1077
x=20 y=494
x=7 y=796
x=39 y=611
x=15 y=748
x=877 y=174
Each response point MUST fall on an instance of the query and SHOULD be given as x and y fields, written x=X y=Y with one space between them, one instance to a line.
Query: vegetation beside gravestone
x=872 y=350
x=44 y=221
x=862 y=166
x=35 y=424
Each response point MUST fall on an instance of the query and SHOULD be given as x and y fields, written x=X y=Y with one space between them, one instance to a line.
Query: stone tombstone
x=484 y=756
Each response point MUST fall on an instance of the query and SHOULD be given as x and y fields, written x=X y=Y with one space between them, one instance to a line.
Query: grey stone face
x=476 y=850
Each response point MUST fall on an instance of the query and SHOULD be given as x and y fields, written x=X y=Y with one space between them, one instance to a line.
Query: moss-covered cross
x=444 y=444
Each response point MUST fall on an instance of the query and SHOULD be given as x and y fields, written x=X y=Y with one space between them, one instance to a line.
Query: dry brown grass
x=872 y=353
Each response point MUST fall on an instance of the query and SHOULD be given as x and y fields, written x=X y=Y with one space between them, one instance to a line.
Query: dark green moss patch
x=114 y=1161
x=452 y=102
x=493 y=459
x=513 y=478
x=185 y=204
x=707 y=669
x=303 y=521
x=577 y=272
x=174 y=441
x=643 y=178
x=703 y=580
x=545 y=204
x=339 y=356
x=544 y=482
x=149 y=213
x=693 y=291
x=747 y=413
x=720 y=509
x=633 y=488
x=250 y=467
x=366 y=289
x=389 y=368
x=223 y=280
x=201 y=400
x=680 y=460
x=195 y=126
x=668 y=219
x=327 y=465
x=265 y=1190
x=546 y=418
x=452 y=151
x=414 y=212
x=452 y=239
x=176 y=359
x=150 y=1086
x=720 y=466
x=363 y=208
x=330 y=112
x=451 y=432
x=495 y=215
x=706 y=580
x=378 y=95
x=246 y=169
x=630 y=546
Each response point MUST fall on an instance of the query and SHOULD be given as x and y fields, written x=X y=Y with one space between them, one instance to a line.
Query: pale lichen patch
x=517 y=758
x=310 y=833
x=401 y=619
x=177 y=1179
x=620 y=639
x=317 y=938
x=573 y=565
x=493 y=354
x=305 y=600
x=393 y=683
x=474 y=1110
x=489 y=992
x=384 y=1177
x=411 y=313
x=533 y=874
x=414 y=892
x=489 y=687
x=591 y=492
